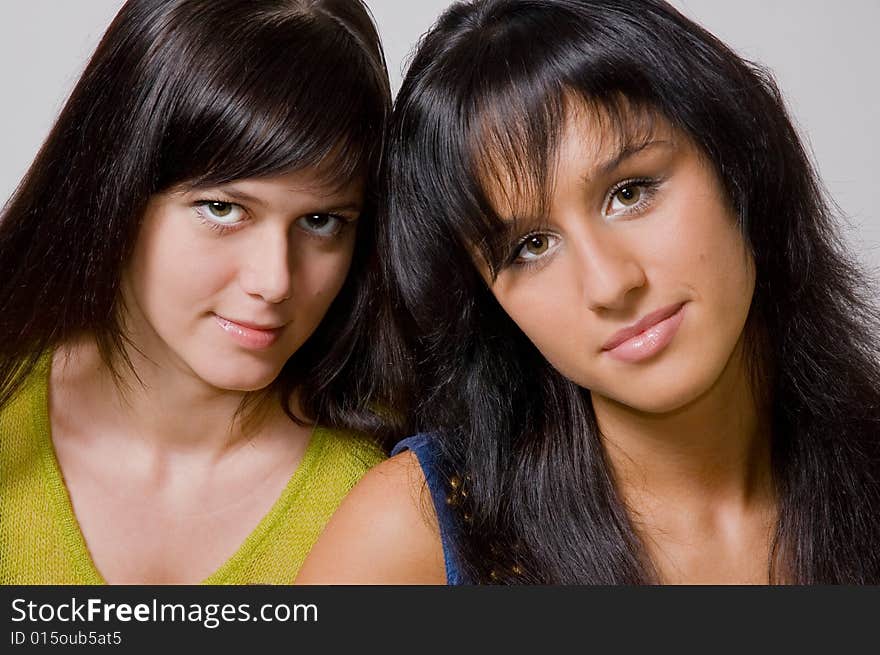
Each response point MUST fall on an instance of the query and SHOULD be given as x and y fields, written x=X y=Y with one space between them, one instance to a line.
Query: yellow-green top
x=41 y=541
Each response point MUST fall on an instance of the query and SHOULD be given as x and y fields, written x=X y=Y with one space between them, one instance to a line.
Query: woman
x=641 y=352
x=185 y=276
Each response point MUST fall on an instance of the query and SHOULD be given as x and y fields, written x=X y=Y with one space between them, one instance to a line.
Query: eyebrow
x=599 y=170
x=225 y=189
x=241 y=196
x=607 y=166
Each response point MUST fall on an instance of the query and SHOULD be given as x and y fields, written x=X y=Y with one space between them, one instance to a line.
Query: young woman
x=639 y=348
x=185 y=276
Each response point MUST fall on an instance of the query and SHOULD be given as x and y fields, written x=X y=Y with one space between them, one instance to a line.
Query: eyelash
x=649 y=189
x=221 y=229
x=342 y=220
x=649 y=186
x=214 y=226
x=513 y=259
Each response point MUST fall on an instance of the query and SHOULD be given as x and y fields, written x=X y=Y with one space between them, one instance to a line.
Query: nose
x=266 y=272
x=609 y=271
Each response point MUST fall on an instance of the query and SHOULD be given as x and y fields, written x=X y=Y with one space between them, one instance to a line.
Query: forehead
x=325 y=178
x=521 y=158
x=307 y=184
x=317 y=182
x=300 y=190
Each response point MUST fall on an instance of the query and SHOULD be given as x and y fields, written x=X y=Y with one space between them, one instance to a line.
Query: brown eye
x=536 y=245
x=629 y=195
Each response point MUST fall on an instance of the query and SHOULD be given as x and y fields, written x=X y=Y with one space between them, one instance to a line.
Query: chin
x=244 y=376
x=667 y=394
x=666 y=401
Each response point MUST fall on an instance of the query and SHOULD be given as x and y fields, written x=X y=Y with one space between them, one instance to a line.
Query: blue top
x=423 y=447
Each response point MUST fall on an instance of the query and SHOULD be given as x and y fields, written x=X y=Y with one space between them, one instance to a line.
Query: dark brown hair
x=541 y=505
x=196 y=92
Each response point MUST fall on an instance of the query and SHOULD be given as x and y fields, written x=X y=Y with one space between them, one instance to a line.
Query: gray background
x=824 y=56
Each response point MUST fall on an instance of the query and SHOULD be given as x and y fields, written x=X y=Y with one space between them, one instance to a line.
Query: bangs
x=487 y=109
x=515 y=150
x=306 y=96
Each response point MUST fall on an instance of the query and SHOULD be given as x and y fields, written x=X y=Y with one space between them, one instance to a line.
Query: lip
x=250 y=335
x=648 y=336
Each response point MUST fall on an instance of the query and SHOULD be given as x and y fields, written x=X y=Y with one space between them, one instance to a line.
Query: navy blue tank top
x=423 y=447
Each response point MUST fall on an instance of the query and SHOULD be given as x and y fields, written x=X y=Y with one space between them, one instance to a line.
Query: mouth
x=252 y=336
x=648 y=336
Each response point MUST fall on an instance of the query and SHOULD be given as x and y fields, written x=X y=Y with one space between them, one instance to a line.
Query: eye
x=629 y=197
x=535 y=246
x=220 y=212
x=322 y=225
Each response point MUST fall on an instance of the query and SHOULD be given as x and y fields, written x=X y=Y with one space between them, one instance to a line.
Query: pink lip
x=647 y=337
x=250 y=335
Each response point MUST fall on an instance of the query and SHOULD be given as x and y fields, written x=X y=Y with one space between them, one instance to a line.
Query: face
x=227 y=282
x=636 y=282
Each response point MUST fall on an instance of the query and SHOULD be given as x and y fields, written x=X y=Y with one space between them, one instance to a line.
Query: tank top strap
x=424 y=448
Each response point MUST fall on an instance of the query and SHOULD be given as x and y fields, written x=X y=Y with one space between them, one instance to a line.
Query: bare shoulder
x=384 y=532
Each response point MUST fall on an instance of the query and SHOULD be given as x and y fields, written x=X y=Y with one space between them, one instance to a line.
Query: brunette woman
x=185 y=282
x=641 y=353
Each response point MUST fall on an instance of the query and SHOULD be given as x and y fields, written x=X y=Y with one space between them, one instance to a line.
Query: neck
x=712 y=453
x=161 y=405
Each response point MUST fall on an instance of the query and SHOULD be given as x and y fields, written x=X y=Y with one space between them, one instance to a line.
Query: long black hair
x=535 y=497
x=196 y=92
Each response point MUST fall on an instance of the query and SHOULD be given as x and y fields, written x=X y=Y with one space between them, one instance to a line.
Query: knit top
x=41 y=541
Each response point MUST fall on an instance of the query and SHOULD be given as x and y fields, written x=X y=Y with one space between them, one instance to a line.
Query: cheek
x=730 y=290
x=319 y=274
x=547 y=308
x=174 y=271
x=714 y=260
